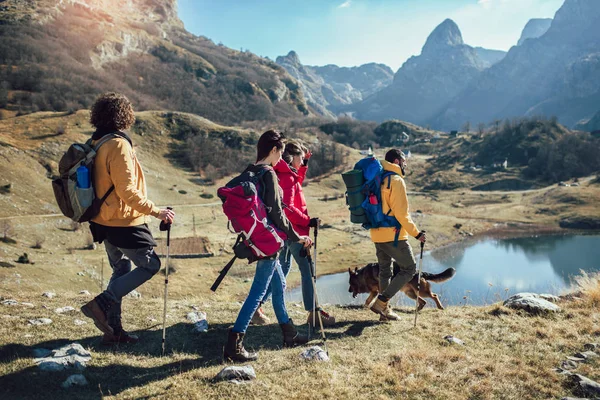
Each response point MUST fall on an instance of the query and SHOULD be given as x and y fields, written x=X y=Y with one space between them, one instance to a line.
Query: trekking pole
x=313 y=268
x=419 y=283
x=164 y=226
x=102 y=276
x=315 y=277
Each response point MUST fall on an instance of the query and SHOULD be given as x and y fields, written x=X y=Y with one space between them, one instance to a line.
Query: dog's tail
x=441 y=277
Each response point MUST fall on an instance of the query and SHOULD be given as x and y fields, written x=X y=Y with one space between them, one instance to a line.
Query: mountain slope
x=59 y=55
x=329 y=88
x=555 y=74
x=427 y=82
x=534 y=28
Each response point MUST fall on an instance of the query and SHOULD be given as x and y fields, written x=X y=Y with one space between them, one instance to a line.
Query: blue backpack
x=375 y=176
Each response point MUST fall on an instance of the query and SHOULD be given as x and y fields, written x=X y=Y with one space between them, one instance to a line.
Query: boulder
x=245 y=373
x=530 y=302
x=64 y=310
x=49 y=295
x=314 y=353
x=453 y=340
x=583 y=386
x=9 y=302
x=198 y=318
x=71 y=356
x=40 y=321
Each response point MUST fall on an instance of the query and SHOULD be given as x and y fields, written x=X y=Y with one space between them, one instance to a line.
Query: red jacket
x=295 y=208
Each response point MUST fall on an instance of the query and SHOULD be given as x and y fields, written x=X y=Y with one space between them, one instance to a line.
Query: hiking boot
x=291 y=337
x=328 y=320
x=383 y=308
x=121 y=337
x=260 y=318
x=94 y=311
x=234 y=349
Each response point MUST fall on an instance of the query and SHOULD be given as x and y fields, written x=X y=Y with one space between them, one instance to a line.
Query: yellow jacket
x=396 y=199
x=128 y=205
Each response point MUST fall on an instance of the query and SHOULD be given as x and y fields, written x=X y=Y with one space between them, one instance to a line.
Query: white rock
x=79 y=322
x=66 y=357
x=245 y=373
x=63 y=310
x=84 y=293
x=49 y=294
x=198 y=318
x=40 y=321
x=134 y=294
x=30 y=305
x=550 y=297
x=74 y=380
x=530 y=302
x=453 y=340
x=80 y=273
x=314 y=353
x=9 y=302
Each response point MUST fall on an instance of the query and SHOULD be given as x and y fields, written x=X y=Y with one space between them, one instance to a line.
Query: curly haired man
x=121 y=222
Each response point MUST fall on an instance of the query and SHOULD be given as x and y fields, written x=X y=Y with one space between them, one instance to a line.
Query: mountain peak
x=291 y=58
x=535 y=28
x=446 y=34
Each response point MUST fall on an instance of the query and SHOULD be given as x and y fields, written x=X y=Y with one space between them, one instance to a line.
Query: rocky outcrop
x=140 y=49
x=534 y=28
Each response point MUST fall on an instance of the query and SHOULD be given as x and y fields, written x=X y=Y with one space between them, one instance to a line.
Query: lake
x=487 y=270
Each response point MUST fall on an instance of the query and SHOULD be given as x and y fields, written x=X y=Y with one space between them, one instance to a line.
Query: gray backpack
x=79 y=204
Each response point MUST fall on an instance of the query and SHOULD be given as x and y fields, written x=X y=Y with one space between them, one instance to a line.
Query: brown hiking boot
x=94 y=311
x=328 y=320
x=234 y=349
x=383 y=308
x=118 y=338
x=259 y=318
x=291 y=337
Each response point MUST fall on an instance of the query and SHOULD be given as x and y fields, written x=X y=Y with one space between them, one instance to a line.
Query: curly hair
x=112 y=111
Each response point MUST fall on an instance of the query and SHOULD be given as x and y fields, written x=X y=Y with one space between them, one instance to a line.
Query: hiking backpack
x=374 y=176
x=79 y=203
x=248 y=217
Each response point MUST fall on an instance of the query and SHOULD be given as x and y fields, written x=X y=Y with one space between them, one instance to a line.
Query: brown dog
x=366 y=280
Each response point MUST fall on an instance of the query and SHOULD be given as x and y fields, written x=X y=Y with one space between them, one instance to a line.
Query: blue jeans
x=285 y=259
x=123 y=279
x=268 y=272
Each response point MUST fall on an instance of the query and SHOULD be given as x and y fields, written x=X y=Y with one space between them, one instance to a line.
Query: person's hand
x=307 y=156
x=306 y=241
x=166 y=215
x=314 y=222
x=422 y=237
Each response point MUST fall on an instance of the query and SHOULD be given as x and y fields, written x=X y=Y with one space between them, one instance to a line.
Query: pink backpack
x=248 y=217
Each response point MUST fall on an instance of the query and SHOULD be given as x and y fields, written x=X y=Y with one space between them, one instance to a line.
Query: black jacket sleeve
x=272 y=199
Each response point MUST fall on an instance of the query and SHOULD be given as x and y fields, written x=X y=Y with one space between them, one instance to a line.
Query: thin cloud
x=345 y=4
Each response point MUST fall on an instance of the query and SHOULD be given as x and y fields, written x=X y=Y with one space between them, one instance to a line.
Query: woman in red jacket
x=291 y=171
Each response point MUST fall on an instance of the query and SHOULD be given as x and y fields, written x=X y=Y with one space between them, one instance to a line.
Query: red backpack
x=248 y=217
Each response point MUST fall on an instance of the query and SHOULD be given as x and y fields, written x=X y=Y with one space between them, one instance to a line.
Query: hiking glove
x=306 y=158
x=314 y=222
x=419 y=235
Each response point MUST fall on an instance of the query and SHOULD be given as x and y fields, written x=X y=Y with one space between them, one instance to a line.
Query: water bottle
x=372 y=199
x=83 y=177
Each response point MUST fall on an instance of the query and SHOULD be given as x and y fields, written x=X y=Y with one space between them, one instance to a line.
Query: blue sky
x=354 y=32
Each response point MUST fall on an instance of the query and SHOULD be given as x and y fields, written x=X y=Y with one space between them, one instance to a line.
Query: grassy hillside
x=505 y=350
x=58 y=56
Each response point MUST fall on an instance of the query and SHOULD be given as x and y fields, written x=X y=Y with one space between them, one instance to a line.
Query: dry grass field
x=508 y=354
